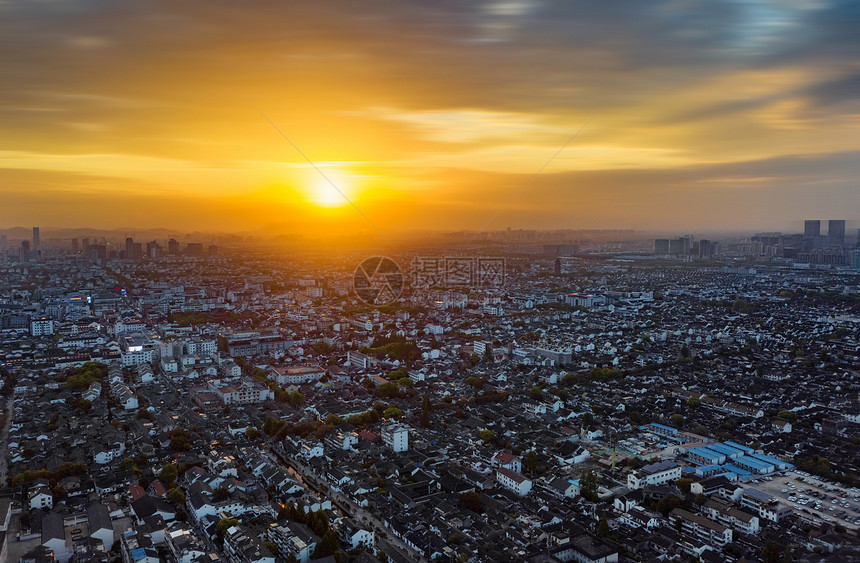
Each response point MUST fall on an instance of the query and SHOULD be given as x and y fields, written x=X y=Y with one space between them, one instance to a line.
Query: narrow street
x=4 y=438
x=344 y=504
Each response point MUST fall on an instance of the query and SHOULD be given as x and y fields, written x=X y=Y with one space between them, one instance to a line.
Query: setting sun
x=325 y=194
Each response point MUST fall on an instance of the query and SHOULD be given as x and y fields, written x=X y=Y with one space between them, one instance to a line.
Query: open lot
x=815 y=492
x=18 y=548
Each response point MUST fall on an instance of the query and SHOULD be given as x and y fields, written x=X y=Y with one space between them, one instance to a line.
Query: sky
x=390 y=116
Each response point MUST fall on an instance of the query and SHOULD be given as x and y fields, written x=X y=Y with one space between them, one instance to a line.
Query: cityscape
x=429 y=282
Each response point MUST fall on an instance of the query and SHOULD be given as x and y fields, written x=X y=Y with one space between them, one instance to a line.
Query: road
x=345 y=504
x=4 y=438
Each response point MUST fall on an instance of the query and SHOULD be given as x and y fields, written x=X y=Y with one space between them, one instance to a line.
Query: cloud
x=428 y=101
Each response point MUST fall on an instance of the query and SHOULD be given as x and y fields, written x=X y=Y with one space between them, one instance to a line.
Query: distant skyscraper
x=36 y=240
x=812 y=228
x=129 y=248
x=75 y=245
x=661 y=246
x=97 y=253
x=836 y=232
x=173 y=246
x=85 y=246
x=194 y=249
x=24 y=251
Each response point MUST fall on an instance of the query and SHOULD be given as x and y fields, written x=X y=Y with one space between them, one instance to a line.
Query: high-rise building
x=129 y=248
x=85 y=246
x=661 y=246
x=812 y=228
x=36 y=240
x=173 y=246
x=24 y=251
x=836 y=232
x=75 y=245
x=97 y=253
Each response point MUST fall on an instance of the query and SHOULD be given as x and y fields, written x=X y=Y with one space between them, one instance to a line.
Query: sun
x=329 y=194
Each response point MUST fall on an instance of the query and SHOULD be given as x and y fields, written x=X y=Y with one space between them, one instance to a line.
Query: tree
x=677 y=420
x=326 y=546
x=787 y=415
x=220 y=494
x=392 y=412
x=176 y=496
x=399 y=373
x=455 y=538
x=475 y=382
x=603 y=527
x=387 y=390
x=685 y=351
x=224 y=524
x=694 y=402
x=472 y=501
x=684 y=484
x=666 y=504
x=179 y=441
x=770 y=552
x=588 y=486
x=486 y=435
x=536 y=392
x=587 y=419
x=531 y=460
x=168 y=473
x=273 y=548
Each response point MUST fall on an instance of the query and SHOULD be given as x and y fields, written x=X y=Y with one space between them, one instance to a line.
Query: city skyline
x=727 y=117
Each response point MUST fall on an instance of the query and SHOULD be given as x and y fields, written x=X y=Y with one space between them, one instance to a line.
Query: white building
x=396 y=437
x=296 y=375
x=41 y=327
x=40 y=497
x=658 y=473
x=513 y=481
x=134 y=356
x=246 y=392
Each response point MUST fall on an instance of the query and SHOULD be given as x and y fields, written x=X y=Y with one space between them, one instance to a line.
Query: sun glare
x=324 y=194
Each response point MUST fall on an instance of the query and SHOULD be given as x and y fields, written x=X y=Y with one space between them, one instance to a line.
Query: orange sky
x=428 y=115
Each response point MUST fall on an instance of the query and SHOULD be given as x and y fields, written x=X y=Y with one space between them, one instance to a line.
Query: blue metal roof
x=664 y=427
x=723 y=448
x=738 y=446
x=740 y=472
x=706 y=453
x=756 y=464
